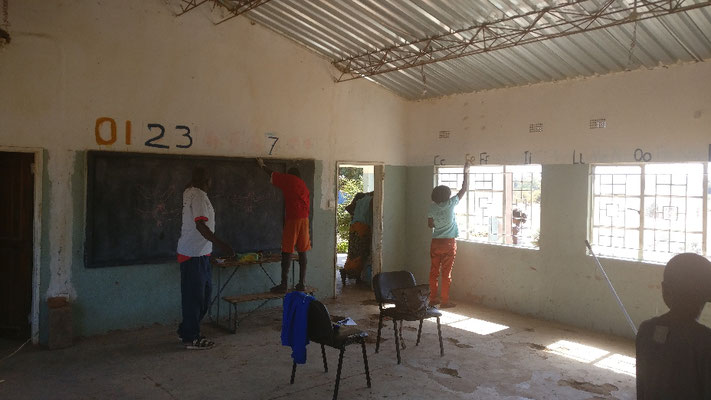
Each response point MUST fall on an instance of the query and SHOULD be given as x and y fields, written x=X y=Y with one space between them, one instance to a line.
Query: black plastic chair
x=322 y=331
x=383 y=284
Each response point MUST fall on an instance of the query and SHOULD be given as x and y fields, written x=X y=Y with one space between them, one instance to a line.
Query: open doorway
x=17 y=186
x=358 y=223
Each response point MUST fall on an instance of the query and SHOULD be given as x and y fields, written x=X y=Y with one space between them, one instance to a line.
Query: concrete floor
x=489 y=354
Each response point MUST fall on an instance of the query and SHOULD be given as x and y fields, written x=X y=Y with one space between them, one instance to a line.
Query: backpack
x=413 y=300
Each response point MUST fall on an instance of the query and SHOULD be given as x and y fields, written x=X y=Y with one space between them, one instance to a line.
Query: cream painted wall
x=665 y=111
x=74 y=61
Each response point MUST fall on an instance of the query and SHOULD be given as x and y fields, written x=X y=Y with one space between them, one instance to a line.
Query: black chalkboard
x=134 y=204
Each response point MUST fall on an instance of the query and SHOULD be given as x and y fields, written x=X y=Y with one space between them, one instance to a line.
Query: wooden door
x=16 y=215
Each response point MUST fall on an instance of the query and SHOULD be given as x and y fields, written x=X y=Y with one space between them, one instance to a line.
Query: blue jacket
x=294 y=326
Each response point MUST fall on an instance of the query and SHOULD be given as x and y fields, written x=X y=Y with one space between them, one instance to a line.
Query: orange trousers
x=442 y=252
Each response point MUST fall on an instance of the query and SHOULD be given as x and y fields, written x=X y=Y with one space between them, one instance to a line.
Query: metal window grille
x=649 y=212
x=502 y=204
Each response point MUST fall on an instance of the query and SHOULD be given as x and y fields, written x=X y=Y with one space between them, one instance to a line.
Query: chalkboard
x=134 y=204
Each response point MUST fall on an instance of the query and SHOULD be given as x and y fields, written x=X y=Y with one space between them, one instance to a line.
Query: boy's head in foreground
x=687 y=284
x=441 y=193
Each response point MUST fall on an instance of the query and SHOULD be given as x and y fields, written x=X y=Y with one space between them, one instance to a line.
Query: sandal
x=281 y=288
x=199 y=344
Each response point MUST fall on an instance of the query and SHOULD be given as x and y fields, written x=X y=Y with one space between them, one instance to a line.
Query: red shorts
x=296 y=234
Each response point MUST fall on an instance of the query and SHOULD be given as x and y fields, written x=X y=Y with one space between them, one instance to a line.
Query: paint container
x=60 y=323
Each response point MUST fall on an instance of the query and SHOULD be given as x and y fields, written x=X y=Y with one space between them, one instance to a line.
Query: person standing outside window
x=194 y=248
x=296 y=222
x=443 y=248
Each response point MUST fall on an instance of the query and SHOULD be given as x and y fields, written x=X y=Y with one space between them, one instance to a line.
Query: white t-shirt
x=196 y=206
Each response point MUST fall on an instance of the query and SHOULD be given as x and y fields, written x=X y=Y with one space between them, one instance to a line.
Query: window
x=503 y=204
x=649 y=211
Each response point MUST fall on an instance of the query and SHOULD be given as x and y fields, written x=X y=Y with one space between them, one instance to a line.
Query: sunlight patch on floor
x=619 y=363
x=593 y=355
x=469 y=324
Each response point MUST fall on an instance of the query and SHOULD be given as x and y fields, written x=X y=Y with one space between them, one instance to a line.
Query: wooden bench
x=244 y=298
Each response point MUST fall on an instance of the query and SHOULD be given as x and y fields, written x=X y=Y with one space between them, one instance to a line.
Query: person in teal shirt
x=359 y=236
x=443 y=249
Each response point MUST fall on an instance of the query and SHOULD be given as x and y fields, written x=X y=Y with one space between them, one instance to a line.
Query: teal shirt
x=444 y=221
x=363 y=212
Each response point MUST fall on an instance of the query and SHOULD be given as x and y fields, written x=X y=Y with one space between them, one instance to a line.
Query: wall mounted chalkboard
x=134 y=204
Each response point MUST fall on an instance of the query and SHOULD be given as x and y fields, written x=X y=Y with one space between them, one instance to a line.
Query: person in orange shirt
x=296 y=222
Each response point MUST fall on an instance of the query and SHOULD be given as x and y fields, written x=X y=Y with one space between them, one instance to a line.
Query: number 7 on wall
x=270 y=136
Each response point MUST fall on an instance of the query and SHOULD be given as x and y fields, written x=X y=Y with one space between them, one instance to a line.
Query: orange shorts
x=296 y=234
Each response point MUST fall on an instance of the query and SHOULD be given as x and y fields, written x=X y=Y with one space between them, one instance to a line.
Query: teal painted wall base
x=127 y=297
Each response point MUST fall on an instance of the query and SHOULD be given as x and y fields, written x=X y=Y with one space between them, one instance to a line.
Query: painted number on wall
x=272 y=140
x=157 y=130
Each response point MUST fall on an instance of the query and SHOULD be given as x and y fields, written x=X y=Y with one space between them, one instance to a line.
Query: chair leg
x=338 y=372
x=419 y=332
x=365 y=361
x=325 y=363
x=293 y=372
x=380 y=326
x=439 y=332
x=397 y=340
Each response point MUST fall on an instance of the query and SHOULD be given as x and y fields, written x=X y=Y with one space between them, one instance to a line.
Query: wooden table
x=233 y=301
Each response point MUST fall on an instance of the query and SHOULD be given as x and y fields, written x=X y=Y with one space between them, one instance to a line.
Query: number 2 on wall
x=150 y=142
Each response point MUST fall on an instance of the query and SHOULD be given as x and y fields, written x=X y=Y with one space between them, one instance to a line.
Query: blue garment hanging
x=294 y=326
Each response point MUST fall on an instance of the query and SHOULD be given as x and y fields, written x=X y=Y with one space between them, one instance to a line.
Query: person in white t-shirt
x=194 y=249
x=674 y=350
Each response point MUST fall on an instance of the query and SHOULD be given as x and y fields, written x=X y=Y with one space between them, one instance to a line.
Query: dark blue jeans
x=196 y=292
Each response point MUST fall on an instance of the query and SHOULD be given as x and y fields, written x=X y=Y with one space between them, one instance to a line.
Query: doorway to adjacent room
x=16 y=243
x=359 y=196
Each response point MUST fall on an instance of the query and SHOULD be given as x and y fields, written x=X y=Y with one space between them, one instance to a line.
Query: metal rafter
x=238 y=7
x=189 y=5
x=235 y=7
x=551 y=22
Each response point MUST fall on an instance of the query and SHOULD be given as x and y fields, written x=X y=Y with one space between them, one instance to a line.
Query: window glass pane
x=672 y=219
x=502 y=205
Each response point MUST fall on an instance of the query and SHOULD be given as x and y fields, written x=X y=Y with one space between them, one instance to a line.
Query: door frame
x=37 y=176
x=377 y=235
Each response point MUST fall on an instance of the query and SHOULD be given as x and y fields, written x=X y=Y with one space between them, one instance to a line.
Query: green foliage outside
x=350 y=182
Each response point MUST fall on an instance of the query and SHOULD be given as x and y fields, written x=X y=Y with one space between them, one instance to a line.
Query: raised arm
x=465 y=182
x=264 y=168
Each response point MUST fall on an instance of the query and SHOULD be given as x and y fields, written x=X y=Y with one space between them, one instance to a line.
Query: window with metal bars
x=649 y=212
x=502 y=205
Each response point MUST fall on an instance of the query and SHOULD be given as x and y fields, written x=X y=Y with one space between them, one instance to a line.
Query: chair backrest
x=319 y=325
x=385 y=282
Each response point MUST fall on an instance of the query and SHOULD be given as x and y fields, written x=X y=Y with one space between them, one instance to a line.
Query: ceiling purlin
x=235 y=7
x=568 y=19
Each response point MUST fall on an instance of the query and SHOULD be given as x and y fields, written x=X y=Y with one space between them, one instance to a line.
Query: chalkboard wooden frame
x=134 y=204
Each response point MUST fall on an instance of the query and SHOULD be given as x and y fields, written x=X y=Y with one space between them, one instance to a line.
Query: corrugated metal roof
x=339 y=29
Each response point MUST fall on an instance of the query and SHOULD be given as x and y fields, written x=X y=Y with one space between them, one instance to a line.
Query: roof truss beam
x=548 y=23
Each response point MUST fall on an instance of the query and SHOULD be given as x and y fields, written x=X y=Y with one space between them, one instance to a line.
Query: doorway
x=359 y=195
x=16 y=243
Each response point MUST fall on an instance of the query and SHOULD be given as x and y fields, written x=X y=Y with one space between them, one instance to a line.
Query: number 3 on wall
x=150 y=141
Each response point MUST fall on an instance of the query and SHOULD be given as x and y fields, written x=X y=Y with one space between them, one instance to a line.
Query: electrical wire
x=15 y=352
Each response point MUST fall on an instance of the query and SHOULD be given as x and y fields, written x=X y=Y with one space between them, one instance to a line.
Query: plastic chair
x=322 y=331
x=383 y=284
